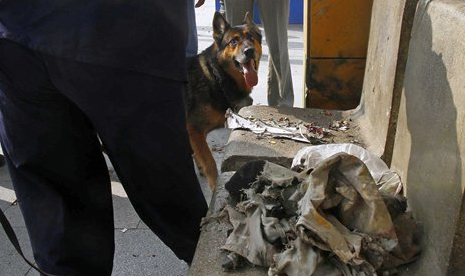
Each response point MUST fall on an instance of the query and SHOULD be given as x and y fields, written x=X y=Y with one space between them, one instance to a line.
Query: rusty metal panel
x=334 y=83
x=339 y=28
x=336 y=46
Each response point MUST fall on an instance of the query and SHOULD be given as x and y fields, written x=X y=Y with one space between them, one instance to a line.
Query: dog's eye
x=249 y=37
x=233 y=42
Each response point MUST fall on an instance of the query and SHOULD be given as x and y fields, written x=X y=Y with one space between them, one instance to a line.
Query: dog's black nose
x=249 y=52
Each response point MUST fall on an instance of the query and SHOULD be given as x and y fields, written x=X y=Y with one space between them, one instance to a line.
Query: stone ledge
x=243 y=146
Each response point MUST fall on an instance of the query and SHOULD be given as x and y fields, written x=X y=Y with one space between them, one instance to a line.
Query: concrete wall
x=429 y=146
x=391 y=24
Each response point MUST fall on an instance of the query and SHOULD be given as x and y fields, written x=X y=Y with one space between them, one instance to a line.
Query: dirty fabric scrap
x=330 y=219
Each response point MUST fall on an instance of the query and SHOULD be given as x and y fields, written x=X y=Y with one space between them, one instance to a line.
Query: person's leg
x=192 y=39
x=141 y=121
x=57 y=168
x=236 y=9
x=275 y=19
x=222 y=10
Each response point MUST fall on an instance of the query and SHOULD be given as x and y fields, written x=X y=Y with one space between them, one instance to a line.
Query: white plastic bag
x=388 y=180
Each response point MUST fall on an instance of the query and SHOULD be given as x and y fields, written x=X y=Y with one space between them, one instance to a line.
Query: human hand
x=199 y=3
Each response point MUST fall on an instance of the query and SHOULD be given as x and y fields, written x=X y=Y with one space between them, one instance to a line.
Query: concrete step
x=244 y=146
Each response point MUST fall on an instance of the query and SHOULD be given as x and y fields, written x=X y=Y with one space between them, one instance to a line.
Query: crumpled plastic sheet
x=389 y=180
x=328 y=220
x=299 y=133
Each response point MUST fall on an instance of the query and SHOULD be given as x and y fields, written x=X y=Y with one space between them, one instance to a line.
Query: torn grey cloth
x=327 y=220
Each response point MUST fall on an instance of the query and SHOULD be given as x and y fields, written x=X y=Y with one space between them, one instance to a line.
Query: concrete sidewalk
x=138 y=250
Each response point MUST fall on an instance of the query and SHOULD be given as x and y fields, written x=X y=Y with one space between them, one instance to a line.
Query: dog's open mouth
x=249 y=71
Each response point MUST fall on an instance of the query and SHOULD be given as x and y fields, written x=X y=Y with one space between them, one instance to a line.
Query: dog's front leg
x=203 y=155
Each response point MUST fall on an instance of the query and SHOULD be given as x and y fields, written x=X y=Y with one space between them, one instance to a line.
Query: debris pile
x=340 y=125
x=281 y=128
x=330 y=218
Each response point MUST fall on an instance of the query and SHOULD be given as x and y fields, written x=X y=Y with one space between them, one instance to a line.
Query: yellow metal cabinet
x=336 y=44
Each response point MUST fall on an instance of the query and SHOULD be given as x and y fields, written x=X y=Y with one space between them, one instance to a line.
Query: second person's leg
x=192 y=46
x=236 y=9
x=275 y=19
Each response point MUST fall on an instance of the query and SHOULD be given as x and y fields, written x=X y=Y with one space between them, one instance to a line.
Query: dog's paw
x=212 y=184
x=199 y=167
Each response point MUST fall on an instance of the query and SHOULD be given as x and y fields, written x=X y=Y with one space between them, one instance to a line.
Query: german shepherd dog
x=220 y=77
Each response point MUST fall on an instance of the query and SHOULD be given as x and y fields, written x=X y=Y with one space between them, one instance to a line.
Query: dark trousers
x=51 y=112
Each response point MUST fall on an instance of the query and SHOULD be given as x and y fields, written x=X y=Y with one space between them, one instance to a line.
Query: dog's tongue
x=250 y=74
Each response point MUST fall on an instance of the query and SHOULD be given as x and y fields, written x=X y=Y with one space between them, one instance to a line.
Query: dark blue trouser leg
x=58 y=171
x=140 y=119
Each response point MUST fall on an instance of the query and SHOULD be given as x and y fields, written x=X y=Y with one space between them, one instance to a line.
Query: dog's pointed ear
x=219 y=25
x=248 y=20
